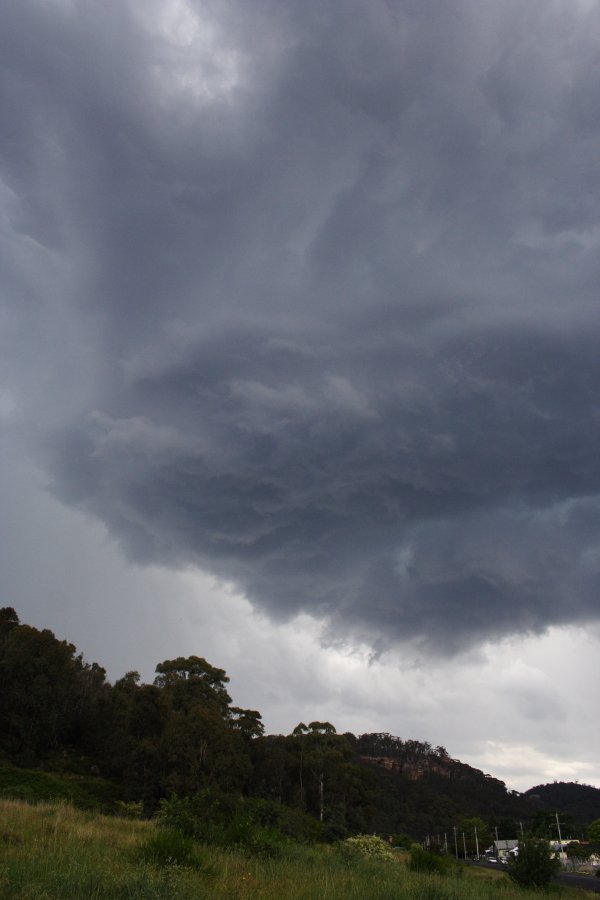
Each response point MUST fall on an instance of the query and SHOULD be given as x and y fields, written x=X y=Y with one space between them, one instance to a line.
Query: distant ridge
x=581 y=801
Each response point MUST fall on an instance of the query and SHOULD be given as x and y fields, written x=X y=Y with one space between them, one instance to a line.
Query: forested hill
x=182 y=734
x=580 y=801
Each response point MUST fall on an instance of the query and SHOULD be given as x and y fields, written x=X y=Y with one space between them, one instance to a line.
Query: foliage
x=593 y=831
x=534 y=867
x=181 y=737
x=578 y=851
x=35 y=786
x=259 y=827
x=478 y=835
x=203 y=816
x=367 y=846
x=60 y=852
x=543 y=824
x=179 y=813
x=425 y=861
x=254 y=839
x=579 y=801
x=49 y=698
x=129 y=810
x=171 y=848
x=403 y=840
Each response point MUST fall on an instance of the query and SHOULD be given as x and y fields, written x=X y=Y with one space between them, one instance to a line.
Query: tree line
x=182 y=737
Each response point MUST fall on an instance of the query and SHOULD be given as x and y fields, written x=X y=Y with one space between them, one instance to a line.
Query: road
x=585 y=882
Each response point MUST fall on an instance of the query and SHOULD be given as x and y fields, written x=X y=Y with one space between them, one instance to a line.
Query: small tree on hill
x=594 y=831
x=534 y=867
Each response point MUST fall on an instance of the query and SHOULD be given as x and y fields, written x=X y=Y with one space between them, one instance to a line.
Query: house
x=503 y=850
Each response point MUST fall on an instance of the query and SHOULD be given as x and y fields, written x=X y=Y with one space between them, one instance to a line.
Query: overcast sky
x=299 y=363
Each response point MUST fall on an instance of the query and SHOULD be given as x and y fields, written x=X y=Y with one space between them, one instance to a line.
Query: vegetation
x=594 y=831
x=535 y=866
x=365 y=846
x=178 y=749
x=56 y=852
x=578 y=803
x=84 y=791
x=421 y=860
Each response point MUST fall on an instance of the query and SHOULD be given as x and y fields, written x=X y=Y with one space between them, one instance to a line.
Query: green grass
x=57 y=852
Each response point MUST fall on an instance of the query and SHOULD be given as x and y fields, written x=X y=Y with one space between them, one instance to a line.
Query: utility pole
x=476 y=841
x=445 y=842
x=559 y=834
x=455 y=843
x=560 y=844
x=521 y=825
x=464 y=845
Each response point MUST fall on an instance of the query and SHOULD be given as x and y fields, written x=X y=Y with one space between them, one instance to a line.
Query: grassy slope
x=56 y=852
x=33 y=785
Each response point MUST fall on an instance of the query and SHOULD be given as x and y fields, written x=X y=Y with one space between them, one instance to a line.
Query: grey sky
x=304 y=295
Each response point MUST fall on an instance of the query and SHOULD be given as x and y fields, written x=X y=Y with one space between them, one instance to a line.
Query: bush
x=402 y=840
x=202 y=816
x=365 y=846
x=254 y=839
x=299 y=825
x=534 y=867
x=171 y=848
x=35 y=786
x=259 y=826
x=425 y=861
x=247 y=825
x=181 y=814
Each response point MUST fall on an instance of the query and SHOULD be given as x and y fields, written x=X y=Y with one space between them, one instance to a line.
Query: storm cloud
x=305 y=294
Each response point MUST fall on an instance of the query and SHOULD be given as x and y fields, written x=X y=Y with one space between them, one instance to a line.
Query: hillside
x=53 y=851
x=580 y=801
x=183 y=735
x=421 y=789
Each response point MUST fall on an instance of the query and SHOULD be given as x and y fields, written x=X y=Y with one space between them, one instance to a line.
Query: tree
x=594 y=831
x=45 y=692
x=321 y=756
x=478 y=836
x=192 y=678
x=204 y=742
x=534 y=867
x=134 y=754
x=247 y=722
x=8 y=620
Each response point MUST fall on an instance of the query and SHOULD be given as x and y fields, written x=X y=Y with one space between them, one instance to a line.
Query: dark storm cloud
x=305 y=294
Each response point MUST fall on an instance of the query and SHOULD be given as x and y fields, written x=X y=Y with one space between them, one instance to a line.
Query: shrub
x=180 y=813
x=170 y=848
x=402 y=840
x=167 y=847
x=534 y=867
x=365 y=846
x=130 y=809
x=299 y=825
x=425 y=861
x=252 y=838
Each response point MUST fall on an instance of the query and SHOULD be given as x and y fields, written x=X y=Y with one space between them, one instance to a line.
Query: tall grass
x=56 y=852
